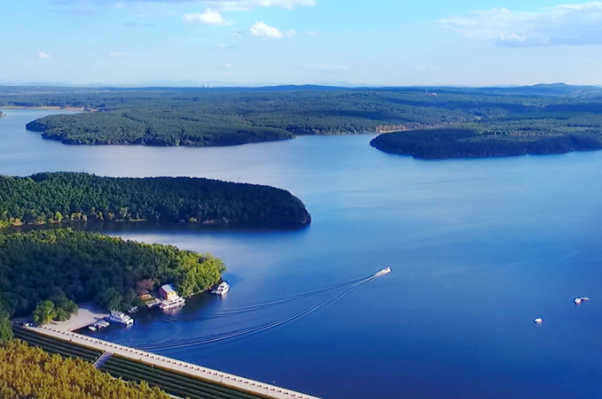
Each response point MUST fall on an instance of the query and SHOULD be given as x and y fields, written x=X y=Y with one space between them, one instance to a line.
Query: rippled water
x=478 y=248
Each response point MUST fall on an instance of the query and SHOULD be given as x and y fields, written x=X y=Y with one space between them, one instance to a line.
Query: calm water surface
x=478 y=249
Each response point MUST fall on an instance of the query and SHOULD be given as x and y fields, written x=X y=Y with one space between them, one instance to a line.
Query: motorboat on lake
x=581 y=299
x=120 y=318
x=173 y=303
x=539 y=320
x=221 y=289
x=382 y=272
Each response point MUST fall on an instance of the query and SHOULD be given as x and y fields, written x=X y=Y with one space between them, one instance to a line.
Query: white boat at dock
x=98 y=326
x=173 y=303
x=221 y=289
x=120 y=318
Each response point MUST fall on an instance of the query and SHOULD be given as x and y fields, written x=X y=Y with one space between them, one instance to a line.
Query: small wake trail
x=267 y=305
x=253 y=330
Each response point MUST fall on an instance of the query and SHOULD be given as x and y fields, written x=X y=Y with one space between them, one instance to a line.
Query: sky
x=267 y=42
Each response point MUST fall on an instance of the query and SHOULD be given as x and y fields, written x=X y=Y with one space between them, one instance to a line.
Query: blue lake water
x=478 y=248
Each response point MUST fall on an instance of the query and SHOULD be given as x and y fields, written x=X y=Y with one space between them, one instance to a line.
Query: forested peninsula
x=466 y=143
x=66 y=197
x=63 y=265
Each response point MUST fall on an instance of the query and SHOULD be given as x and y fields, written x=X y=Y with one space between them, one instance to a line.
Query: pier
x=215 y=377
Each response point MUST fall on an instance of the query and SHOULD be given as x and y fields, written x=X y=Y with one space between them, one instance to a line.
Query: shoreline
x=88 y=313
x=45 y=107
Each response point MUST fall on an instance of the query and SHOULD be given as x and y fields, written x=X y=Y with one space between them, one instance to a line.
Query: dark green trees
x=56 y=197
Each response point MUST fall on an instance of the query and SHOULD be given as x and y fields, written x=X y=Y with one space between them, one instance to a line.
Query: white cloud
x=568 y=24
x=228 y=65
x=115 y=54
x=239 y=5
x=43 y=56
x=326 y=67
x=267 y=32
x=94 y=6
x=209 y=17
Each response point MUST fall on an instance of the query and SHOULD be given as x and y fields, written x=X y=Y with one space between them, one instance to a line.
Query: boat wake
x=353 y=286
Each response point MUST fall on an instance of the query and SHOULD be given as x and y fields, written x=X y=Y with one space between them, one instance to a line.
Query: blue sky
x=254 y=42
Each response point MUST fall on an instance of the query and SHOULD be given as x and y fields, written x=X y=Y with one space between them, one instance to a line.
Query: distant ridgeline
x=61 y=264
x=60 y=197
x=504 y=121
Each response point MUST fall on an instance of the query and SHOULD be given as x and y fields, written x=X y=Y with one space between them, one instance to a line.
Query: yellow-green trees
x=28 y=372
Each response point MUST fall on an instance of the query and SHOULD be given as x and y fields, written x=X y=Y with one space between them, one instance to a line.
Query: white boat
x=120 y=318
x=382 y=272
x=539 y=320
x=98 y=326
x=581 y=299
x=221 y=289
x=172 y=303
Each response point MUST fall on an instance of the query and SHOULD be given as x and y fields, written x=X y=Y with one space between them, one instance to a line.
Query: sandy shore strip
x=88 y=313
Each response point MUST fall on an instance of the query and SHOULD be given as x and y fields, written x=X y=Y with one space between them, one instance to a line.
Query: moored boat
x=221 y=289
x=172 y=303
x=120 y=318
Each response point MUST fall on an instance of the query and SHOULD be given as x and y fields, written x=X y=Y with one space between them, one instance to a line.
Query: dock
x=151 y=360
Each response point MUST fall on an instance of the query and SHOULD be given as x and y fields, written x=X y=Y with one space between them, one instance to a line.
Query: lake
x=478 y=248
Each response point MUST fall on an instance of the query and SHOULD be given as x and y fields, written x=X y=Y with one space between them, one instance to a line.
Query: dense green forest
x=505 y=121
x=216 y=118
x=27 y=372
x=80 y=266
x=59 y=197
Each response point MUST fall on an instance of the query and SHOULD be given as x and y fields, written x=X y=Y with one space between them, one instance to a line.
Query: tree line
x=59 y=197
x=509 y=136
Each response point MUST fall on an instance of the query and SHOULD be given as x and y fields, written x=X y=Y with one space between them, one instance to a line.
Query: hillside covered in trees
x=539 y=115
x=548 y=133
x=224 y=118
x=28 y=372
x=54 y=264
x=59 y=197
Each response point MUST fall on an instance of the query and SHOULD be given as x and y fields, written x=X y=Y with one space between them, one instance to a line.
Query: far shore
x=47 y=107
